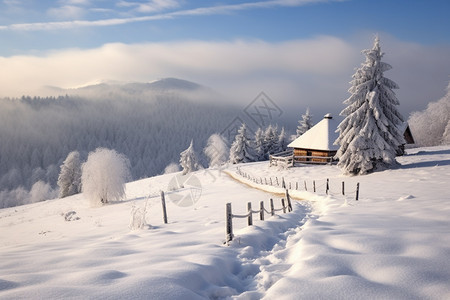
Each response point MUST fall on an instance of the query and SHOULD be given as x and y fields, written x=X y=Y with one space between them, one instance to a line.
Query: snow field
x=394 y=243
x=97 y=255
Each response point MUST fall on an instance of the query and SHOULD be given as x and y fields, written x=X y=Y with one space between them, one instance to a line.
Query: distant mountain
x=175 y=84
x=166 y=86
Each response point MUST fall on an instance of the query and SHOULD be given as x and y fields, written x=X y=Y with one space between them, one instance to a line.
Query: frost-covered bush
x=137 y=220
x=104 y=175
x=172 y=168
x=41 y=191
x=431 y=127
x=69 y=179
x=217 y=150
x=18 y=196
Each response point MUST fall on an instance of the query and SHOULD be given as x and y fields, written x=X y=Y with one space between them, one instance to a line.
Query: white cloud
x=312 y=73
x=151 y=6
x=67 y=12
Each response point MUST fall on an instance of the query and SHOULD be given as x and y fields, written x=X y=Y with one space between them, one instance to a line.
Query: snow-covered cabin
x=316 y=144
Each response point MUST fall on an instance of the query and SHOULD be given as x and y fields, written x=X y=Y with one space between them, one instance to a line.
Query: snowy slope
x=394 y=243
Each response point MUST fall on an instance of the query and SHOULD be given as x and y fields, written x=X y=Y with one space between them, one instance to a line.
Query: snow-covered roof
x=320 y=137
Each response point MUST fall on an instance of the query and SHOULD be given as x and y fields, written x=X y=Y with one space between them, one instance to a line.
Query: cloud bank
x=313 y=72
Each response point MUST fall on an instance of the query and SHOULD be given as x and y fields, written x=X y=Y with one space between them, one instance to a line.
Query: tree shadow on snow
x=437 y=152
x=423 y=164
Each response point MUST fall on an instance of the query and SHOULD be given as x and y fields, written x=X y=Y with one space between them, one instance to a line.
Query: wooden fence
x=288 y=158
x=285 y=205
x=299 y=185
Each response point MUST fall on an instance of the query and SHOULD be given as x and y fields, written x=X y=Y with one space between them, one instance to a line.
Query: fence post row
x=163 y=202
x=283 y=185
x=229 y=214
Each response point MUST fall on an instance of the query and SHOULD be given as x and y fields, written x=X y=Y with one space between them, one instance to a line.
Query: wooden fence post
x=163 y=202
x=306 y=189
x=314 y=186
x=229 y=217
x=290 y=185
x=250 y=214
x=357 y=191
x=284 y=207
x=277 y=181
x=288 y=201
x=343 y=188
x=296 y=185
x=271 y=181
x=265 y=180
x=272 y=208
x=261 y=210
x=283 y=184
x=328 y=186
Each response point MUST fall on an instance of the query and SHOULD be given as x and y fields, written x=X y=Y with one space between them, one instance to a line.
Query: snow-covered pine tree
x=260 y=150
x=69 y=179
x=216 y=150
x=271 y=140
x=241 y=150
x=188 y=160
x=305 y=123
x=369 y=136
x=282 y=141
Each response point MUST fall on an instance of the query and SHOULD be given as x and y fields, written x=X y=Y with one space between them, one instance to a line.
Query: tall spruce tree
x=282 y=141
x=260 y=150
x=241 y=150
x=69 y=179
x=271 y=140
x=188 y=160
x=369 y=136
x=305 y=123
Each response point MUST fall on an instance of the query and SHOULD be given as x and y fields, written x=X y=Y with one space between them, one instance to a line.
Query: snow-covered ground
x=394 y=243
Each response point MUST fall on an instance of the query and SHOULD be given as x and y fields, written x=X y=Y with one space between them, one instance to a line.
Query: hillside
x=140 y=120
x=393 y=243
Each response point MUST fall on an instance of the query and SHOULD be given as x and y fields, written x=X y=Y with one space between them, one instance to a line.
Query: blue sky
x=425 y=22
x=322 y=39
